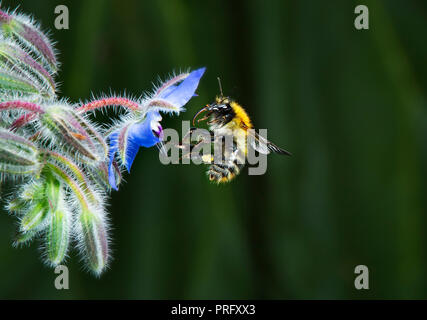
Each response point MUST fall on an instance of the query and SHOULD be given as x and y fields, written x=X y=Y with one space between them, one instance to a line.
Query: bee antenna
x=220 y=86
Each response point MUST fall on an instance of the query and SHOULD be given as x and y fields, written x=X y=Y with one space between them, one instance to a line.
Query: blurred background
x=350 y=105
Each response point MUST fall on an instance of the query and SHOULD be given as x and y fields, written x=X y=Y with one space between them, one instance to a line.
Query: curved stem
x=113 y=101
x=19 y=104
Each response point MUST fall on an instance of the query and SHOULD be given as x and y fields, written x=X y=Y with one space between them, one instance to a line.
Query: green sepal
x=58 y=234
x=35 y=218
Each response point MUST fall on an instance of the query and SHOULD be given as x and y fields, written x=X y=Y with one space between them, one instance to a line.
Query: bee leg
x=186 y=138
x=203 y=138
x=206 y=159
x=200 y=138
x=188 y=148
x=203 y=119
x=189 y=133
x=196 y=155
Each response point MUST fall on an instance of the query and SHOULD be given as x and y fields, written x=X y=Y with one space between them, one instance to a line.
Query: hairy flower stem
x=171 y=82
x=24 y=105
x=113 y=101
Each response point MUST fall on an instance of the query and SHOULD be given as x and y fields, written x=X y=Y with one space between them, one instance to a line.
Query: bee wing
x=262 y=145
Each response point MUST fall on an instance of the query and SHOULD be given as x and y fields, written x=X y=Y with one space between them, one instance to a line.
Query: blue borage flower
x=143 y=129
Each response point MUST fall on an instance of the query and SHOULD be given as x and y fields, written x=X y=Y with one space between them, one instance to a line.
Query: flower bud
x=34 y=190
x=30 y=192
x=94 y=241
x=16 y=205
x=23 y=238
x=18 y=156
x=72 y=133
x=22 y=29
x=52 y=192
x=58 y=233
x=101 y=177
x=12 y=82
x=35 y=217
x=16 y=63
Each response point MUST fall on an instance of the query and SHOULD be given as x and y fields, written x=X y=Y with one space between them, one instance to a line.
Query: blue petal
x=112 y=153
x=180 y=94
x=140 y=135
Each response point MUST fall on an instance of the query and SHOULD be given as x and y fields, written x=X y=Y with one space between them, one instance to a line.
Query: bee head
x=221 y=100
x=220 y=112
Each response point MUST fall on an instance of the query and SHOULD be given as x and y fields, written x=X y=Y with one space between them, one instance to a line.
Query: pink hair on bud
x=22 y=120
x=34 y=64
x=4 y=17
x=39 y=42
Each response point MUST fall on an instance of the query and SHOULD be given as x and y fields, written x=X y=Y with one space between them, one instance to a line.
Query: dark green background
x=350 y=105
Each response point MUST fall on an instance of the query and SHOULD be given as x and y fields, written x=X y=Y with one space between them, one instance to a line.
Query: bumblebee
x=227 y=118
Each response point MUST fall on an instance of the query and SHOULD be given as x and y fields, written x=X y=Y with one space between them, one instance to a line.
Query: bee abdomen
x=224 y=172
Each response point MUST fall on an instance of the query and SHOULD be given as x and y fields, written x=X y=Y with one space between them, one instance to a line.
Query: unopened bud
x=34 y=190
x=18 y=64
x=70 y=134
x=25 y=32
x=23 y=238
x=12 y=82
x=18 y=156
x=35 y=217
x=94 y=241
x=16 y=205
x=58 y=233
